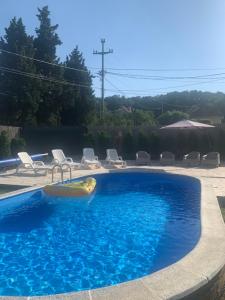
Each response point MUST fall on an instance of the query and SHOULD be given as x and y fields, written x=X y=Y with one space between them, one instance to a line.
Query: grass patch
x=6 y=188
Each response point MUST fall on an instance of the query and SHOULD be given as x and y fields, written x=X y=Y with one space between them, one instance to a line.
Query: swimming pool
x=133 y=225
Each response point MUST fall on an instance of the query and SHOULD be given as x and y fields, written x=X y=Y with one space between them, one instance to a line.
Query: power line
x=141 y=76
x=113 y=85
x=45 y=78
x=167 y=70
x=42 y=77
x=116 y=69
x=44 y=62
x=129 y=91
x=170 y=87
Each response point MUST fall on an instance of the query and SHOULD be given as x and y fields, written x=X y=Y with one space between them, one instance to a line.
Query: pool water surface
x=132 y=225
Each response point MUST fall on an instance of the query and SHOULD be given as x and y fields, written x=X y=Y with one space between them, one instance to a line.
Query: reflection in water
x=27 y=216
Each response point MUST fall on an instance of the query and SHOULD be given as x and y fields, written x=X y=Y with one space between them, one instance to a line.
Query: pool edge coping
x=178 y=280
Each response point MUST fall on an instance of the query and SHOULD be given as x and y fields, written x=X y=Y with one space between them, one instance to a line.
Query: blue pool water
x=134 y=224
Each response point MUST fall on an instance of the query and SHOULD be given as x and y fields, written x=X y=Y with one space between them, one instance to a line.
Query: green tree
x=45 y=44
x=142 y=117
x=4 y=145
x=103 y=142
x=170 y=117
x=17 y=145
x=154 y=145
x=20 y=103
x=142 y=142
x=128 y=145
x=78 y=100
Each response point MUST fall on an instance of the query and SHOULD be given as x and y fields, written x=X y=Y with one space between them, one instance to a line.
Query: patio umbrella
x=187 y=124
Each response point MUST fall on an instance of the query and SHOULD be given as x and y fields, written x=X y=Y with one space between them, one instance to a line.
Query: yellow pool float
x=75 y=189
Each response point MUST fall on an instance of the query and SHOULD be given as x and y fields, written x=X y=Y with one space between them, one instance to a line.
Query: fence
x=126 y=140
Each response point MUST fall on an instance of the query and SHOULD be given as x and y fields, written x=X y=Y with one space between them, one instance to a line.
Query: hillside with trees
x=174 y=106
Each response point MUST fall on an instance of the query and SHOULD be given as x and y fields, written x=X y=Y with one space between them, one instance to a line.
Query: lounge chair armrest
x=39 y=163
x=27 y=165
x=54 y=161
x=204 y=156
x=69 y=159
x=186 y=156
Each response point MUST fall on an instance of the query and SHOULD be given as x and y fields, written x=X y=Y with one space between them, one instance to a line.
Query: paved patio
x=213 y=176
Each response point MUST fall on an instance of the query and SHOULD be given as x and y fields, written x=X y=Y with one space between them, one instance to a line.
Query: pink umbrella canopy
x=187 y=124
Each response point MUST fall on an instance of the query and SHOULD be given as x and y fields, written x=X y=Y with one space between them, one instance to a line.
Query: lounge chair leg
x=17 y=169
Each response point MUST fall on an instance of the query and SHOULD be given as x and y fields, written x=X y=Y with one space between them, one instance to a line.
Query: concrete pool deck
x=178 y=280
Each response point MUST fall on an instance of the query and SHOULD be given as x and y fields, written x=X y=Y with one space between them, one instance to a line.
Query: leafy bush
x=128 y=146
x=4 y=145
x=142 y=142
x=141 y=117
x=170 y=117
x=89 y=141
x=17 y=145
x=104 y=142
x=154 y=145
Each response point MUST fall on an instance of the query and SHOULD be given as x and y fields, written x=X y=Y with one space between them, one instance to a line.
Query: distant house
x=125 y=109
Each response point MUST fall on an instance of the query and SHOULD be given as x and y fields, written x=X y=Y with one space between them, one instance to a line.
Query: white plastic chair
x=192 y=158
x=60 y=158
x=89 y=158
x=29 y=164
x=143 y=158
x=211 y=159
x=167 y=158
x=112 y=158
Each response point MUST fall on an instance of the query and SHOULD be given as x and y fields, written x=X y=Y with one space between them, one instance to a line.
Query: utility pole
x=102 y=73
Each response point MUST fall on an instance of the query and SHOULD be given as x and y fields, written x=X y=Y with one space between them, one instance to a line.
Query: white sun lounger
x=167 y=158
x=61 y=159
x=112 y=158
x=143 y=158
x=27 y=163
x=211 y=159
x=192 y=158
x=89 y=158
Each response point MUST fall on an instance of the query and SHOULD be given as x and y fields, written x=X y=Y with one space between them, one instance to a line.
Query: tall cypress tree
x=45 y=44
x=20 y=102
x=78 y=100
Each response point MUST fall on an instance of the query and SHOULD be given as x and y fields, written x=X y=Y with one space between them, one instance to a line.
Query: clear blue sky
x=144 y=34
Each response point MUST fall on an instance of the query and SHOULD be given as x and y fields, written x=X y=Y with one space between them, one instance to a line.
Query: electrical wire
x=109 y=68
x=171 y=87
x=166 y=70
x=45 y=62
x=141 y=76
x=113 y=85
x=42 y=77
x=142 y=92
